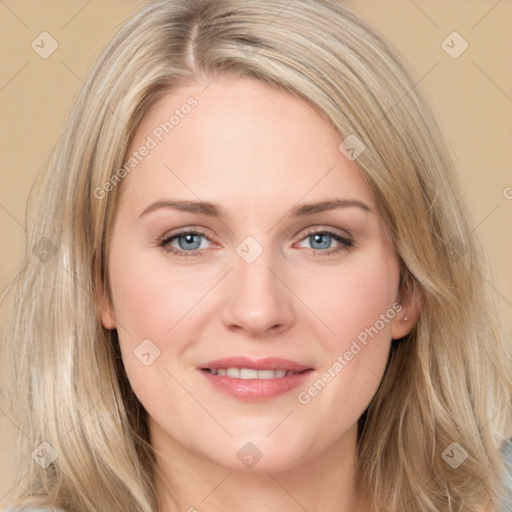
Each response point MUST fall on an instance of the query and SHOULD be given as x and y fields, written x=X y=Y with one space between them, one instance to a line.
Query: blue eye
x=321 y=242
x=189 y=243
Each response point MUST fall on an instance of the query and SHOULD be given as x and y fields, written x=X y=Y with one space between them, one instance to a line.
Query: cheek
x=150 y=296
x=351 y=299
x=155 y=307
x=358 y=306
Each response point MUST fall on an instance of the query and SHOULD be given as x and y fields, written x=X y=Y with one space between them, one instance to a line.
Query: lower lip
x=255 y=390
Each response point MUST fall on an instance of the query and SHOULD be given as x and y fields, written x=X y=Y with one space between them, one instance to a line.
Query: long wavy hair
x=446 y=382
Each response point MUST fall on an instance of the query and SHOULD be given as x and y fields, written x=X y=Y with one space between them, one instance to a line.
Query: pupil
x=187 y=241
x=318 y=238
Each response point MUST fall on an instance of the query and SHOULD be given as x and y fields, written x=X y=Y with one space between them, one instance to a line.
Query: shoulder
x=29 y=509
x=507 y=457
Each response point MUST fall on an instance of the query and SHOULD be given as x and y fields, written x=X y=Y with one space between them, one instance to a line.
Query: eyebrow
x=217 y=211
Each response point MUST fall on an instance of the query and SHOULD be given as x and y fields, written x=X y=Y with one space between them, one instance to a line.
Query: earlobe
x=406 y=318
x=107 y=318
x=105 y=308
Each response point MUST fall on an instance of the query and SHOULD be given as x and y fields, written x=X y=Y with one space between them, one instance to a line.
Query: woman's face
x=272 y=255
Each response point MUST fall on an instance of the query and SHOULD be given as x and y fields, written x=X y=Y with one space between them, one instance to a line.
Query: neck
x=324 y=482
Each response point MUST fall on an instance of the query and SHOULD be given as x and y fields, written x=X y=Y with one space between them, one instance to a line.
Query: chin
x=259 y=455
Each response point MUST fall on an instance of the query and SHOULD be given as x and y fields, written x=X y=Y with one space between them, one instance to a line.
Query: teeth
x=246 y=373
x=249 y=373
x=233 y=373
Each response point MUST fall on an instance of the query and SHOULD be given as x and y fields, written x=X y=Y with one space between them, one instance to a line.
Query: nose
x=259 y=302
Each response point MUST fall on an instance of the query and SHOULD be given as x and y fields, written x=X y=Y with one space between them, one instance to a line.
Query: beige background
x=472 y=95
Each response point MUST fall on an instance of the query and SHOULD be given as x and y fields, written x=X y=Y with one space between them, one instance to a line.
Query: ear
x=106 y=310
x=409 y=298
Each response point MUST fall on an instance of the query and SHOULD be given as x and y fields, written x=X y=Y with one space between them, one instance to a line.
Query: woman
x=252 y=281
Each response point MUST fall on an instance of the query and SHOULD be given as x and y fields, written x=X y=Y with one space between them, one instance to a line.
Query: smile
x=250 y=373
x=254 y=380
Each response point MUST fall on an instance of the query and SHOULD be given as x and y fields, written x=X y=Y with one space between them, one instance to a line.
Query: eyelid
x=196 y=230
x=172 y=235
x=318 y=228
x=345 y=243
x=200 y=231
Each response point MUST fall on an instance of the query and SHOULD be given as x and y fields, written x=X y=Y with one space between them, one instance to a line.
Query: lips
x=254 y=379
x=268 y=363
x=249 y=373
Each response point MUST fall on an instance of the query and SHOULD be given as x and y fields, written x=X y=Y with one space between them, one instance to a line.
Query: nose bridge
x=258 y=299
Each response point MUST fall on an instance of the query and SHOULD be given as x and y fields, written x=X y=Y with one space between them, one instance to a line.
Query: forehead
x=240 y=142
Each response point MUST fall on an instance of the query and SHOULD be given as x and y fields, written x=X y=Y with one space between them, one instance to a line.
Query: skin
x=256 y=152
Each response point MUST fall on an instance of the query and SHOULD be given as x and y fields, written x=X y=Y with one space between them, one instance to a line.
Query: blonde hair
x=446 y=382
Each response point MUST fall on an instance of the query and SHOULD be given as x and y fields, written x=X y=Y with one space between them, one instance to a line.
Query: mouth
x=255 y=380
x=250 y=373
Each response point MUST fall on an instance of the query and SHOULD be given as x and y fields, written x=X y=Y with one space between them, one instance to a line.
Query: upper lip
x=267 y=363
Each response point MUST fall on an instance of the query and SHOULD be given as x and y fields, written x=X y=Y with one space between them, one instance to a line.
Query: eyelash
x=346 y=243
